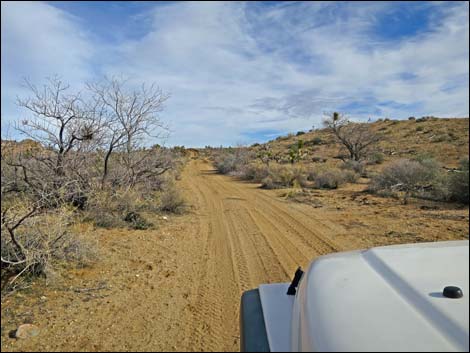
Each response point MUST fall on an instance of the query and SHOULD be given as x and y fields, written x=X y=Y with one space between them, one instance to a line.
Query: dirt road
x=246 y=237
x=178 y=287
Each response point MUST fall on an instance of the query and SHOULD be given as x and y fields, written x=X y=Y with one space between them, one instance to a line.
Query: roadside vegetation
x=347 y=152
x=85 y=159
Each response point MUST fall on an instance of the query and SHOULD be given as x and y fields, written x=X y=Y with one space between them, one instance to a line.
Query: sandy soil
x=178 y=287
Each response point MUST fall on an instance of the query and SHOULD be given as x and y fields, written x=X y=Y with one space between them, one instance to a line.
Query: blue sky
x=244 y=72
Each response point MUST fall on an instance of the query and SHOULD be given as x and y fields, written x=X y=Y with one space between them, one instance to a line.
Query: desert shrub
x=329 y=179
x=299 y=176
x=312 y=173
x=42 y=242
x=420 y=178
x=118 y=208
x=317 y=159
x=300 y=133
x=350 y=176
x=232 y=160
x=268 y=183
x=458 y=183
x=281 y=176
x=137 y=221
x=225 y=163
x=411 y=118
x=419 y=128
x=375 y=158
x=355 y=166
x=317 y=140
x=452 y=136
x=171 y=200
x=424 y=157
x=254 y=171
x=441 y=138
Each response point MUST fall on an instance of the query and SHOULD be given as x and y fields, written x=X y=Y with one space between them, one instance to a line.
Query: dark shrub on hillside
x=300 y=133
x=459 y=183
x=317 y=141
x=137 y=221
x=375 y=158
x=356 y=166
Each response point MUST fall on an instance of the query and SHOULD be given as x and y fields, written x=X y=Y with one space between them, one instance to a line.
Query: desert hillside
x=445 y=139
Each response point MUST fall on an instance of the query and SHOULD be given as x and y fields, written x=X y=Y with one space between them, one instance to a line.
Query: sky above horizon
x=244 y=72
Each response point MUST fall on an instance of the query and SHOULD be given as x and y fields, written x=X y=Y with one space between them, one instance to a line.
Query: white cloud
x=235 y=68
x=39 y=41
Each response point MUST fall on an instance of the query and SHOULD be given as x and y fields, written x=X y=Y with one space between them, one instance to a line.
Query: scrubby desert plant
x=285 y=176
x=332 y=178
x=171 y=200
x=254 y=171
x=409 y=177
x=317 y=140
x=232 y=160
x=355 y=166
x=458 y=183
x=35 y=241
x=375 y=158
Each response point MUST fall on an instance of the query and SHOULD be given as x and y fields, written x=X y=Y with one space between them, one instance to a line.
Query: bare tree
x=60 y=120
x=355 y=137
x=131 y=115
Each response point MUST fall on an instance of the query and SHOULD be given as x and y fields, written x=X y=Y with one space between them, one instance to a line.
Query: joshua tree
x=355 y=137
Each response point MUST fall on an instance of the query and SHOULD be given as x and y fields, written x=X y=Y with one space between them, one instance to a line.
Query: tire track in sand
x=249 y=238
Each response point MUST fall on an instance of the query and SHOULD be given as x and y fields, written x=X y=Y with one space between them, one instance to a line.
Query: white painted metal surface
x=277 y=311
x=383 y=299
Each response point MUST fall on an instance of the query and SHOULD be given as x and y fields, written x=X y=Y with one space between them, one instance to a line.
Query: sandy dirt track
x=178 y=287
x=246 y=237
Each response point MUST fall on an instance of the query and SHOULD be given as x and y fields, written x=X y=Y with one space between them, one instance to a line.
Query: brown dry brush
x=81 y=146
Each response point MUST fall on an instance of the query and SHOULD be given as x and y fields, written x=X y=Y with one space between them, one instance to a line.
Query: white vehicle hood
x=384 y=299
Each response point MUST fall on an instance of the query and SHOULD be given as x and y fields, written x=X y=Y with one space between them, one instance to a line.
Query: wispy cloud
x=238 y=70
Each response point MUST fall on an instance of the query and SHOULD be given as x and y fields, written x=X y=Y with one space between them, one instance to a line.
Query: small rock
x=26 y=331
x=43 y=298
x=165 y=218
